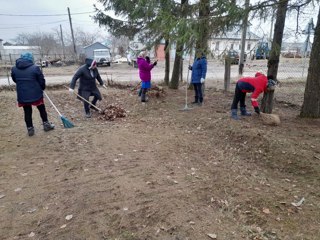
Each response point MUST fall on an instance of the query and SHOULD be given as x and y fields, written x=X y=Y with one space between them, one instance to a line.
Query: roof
x=20 y=47
x=95 y=44
x=236 y=34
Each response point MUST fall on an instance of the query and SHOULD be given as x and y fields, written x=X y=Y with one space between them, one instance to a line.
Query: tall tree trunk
x=167 y=62
x=203 y=34
x=174 y=83
x=273 y=62
x=311 y=101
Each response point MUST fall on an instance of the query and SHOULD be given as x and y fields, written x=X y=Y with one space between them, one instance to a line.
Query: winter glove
x=202 y=80
x=71 y=90
x=257 y=110
x=155 y=63
x=190 y=67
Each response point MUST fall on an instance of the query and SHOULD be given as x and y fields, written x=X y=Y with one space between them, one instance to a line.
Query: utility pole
x=308 y=31
x=62 y=42
x=271 y=26
x=243 y=36
x=74 y=44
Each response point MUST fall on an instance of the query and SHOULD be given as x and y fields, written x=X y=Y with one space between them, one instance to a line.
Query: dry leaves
x=111 y=112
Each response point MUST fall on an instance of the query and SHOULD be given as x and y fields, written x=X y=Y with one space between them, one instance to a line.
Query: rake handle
x=82 y=98
x=52 y=103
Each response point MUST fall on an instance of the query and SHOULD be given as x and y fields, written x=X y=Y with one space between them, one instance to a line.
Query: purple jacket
x=144 y=69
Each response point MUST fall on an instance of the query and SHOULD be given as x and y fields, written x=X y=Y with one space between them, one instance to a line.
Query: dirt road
x=159 y=173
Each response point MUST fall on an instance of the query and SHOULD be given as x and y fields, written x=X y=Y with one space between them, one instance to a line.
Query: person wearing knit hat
x=27 y=56
x=88 y=74
x=30 y=84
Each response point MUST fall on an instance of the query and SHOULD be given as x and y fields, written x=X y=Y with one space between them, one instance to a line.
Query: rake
x=83 y=99
x=66 y=123
x=186 y=108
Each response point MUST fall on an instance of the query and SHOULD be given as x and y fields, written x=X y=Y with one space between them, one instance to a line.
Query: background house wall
x=88 y=50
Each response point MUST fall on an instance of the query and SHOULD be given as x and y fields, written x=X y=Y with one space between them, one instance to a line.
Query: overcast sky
x=11 y=24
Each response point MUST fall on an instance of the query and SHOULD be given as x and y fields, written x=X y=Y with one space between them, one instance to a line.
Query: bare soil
x=159 y=173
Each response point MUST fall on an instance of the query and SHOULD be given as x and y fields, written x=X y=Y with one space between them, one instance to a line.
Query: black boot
x=88 y=114
x=143 y=98
x=47 y=126
x=30 y=131
x=196 y=100
x=143 y=95
x=244 y=111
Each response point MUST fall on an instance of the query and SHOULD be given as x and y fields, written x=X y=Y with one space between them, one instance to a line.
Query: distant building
x=11 y=53
x=88 y=50
x=219 y=45
x=296 y=49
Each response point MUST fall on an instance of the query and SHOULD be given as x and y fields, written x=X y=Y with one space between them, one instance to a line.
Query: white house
x=11 y=53
x=231 y=40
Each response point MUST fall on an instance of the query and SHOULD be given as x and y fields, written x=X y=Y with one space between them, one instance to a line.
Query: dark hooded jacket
x=29 y=81
x=87 y=82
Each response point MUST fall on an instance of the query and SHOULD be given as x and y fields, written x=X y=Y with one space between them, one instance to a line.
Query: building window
x=239 y=47
x=248 y=46
x=217 y=46
x=231 y=46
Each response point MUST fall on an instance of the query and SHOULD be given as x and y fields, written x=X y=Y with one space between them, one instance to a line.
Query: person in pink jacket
x=145 y=68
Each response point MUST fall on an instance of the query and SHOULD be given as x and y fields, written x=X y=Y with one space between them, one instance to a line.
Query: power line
x=33 y=25
x=41 y=15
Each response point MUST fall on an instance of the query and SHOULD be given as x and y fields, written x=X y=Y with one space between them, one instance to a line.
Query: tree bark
x=311 y=101
x=273 y=62
x=203 y=34
x=174 y=83
x=167 y=62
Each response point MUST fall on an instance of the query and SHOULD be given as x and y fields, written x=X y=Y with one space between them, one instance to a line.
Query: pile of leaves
x=156 y=91
x=111 y=112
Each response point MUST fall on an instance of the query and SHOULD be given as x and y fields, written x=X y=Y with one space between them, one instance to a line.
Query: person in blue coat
x=199 y=71
x=30 y=84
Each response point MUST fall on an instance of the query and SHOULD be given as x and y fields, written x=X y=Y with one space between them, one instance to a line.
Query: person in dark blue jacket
x=199 y=71
x=30 y=84
x=88 y=73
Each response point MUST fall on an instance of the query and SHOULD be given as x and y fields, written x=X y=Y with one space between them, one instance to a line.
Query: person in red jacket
x=255 y=85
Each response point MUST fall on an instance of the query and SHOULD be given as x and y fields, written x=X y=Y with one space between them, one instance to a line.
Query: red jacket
x=256 y=85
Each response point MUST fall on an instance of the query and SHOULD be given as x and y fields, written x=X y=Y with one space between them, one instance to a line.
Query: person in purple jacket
x=145 y=68
x=30 y=84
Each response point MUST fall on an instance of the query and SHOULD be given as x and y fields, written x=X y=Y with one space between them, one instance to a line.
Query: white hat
x=141 y=54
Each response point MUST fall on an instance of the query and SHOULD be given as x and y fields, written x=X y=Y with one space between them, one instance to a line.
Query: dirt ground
x=159 y=173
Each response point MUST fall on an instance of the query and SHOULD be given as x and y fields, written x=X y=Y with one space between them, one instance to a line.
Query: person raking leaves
x=30 y=84
x=88 y=73
x=255 y=85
